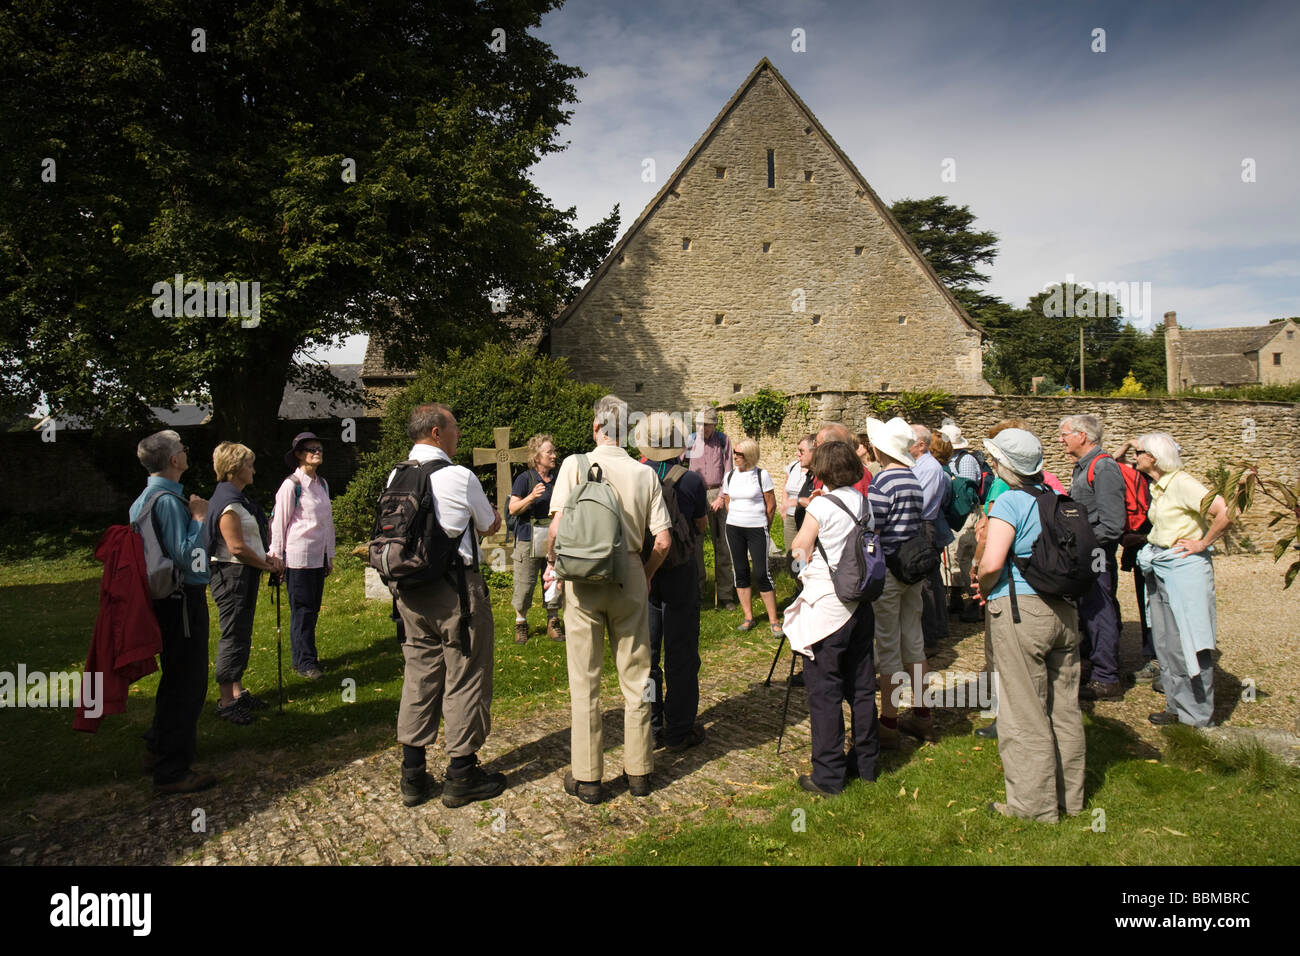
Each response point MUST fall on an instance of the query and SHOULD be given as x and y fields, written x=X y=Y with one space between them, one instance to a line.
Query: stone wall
x=1209 y=431
x=81 y=473
x=729 y=285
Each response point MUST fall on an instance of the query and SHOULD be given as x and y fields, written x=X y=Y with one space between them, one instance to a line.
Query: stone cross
x=501 y=455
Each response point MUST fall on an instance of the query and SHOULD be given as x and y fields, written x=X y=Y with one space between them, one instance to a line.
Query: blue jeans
x=1099 y=622
x=305 y=586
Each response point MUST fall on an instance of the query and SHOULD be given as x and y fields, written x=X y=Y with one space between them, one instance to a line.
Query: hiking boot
x=1158 y=685
x=1163 y=718
x=590 y=793
x=988 y=733
x=693 y=739
x=311 y=673
x=192 y=782
x=1149 y=672
x=467 y=786
x=1096 y=690
x=555 y=629
x=418 y=786
x=638 y=784
x=237 y=712
x=890 y=739
x=807 y=783
x=254 y=703
x=916 y=725
x=521 y=632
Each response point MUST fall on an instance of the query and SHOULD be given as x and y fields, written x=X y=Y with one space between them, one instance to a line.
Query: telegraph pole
x=1081 y=357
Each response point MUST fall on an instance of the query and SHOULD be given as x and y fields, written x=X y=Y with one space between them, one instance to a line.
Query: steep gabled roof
x=672 y=182
x=1222 y=356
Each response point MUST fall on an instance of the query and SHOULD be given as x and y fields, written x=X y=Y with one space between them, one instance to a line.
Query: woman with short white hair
x=1180 y=581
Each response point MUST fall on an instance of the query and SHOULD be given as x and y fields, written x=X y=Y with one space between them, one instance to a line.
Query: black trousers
x=675 y=632
x=184 y=683
x=934 y=598
x=754 y=543
x=305 y=587
x=844 y=668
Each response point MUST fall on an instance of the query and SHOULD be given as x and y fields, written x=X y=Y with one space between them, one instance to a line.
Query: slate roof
x=1221 y=356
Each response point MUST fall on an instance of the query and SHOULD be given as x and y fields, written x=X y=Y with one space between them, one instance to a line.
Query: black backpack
x=408 y=546
x=682 y=548
x=985 y=483
x=860 y=574
x=1061 y=563
x=915 y=560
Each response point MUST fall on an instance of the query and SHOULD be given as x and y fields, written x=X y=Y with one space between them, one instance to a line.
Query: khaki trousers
x=1040 y=728
x=440 y=677
x=624 y=612
x=724 y=581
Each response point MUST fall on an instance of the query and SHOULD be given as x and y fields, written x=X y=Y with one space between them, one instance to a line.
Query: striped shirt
x=896 y=501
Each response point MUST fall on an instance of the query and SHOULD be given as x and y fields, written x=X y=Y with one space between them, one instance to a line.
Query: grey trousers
x=1189 y=695
x=234 y=592
x=441 y=678
x=527 y=570
x=1040 y=728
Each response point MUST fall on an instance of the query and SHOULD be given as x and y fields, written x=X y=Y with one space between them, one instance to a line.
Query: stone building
x=766 y=260
x=1204 y=359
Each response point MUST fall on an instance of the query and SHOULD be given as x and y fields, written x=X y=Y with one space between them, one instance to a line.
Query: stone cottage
x=1206 y=359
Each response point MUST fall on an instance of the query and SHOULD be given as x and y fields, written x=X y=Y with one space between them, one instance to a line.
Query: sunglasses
x=1142 y=451
x=312 y=449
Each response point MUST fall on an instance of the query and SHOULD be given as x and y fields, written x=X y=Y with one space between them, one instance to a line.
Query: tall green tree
x=365 y=163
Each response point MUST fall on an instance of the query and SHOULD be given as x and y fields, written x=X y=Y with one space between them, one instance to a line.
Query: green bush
x=495 y=386
x=909 y=405
x=763 y=412
x=1254 y=393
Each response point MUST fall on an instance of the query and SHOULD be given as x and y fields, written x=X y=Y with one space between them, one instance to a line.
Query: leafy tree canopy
x=365 y=164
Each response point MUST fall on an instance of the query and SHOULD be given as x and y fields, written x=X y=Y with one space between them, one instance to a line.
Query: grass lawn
x=1191 y=804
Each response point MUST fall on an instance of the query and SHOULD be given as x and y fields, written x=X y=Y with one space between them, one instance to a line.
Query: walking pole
x=279 y=646
x=789 y=685
x=772 y=670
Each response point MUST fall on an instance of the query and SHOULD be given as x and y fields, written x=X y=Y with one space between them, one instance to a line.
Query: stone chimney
x=1173 y=354
x=1171 y=320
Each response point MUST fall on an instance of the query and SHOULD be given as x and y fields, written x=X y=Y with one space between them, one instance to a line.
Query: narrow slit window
x=735 y=387
x=686 y=244
x=817 y=320
x=719 y=172
x=857 y=250
x=638 y=386
x=771 y=168
x=807 y=175
x=902 y=320
x=717 y=318
x=767 y=247
x=618 y=317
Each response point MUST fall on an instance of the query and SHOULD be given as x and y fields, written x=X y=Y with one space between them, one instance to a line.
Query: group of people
x=226 y=543
x=899 y=479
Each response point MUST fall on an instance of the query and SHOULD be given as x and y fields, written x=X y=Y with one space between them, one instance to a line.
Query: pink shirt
x=302 y=532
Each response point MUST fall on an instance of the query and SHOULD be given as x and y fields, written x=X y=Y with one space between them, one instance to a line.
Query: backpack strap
x=674 y=475
x=1092 y=467
x=845 y=508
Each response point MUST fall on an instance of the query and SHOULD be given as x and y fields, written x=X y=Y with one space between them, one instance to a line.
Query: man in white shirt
x=442 y=675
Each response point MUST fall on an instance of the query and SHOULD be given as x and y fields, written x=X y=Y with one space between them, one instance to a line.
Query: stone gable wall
x=1209 y=431
x=668 y=341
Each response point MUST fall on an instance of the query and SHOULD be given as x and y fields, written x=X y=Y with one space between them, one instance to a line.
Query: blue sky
x=1115 y=166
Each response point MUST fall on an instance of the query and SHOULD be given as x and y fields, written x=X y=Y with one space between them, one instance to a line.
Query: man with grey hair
x=935 y=486
x=621 y=608
x=1098 y=485
x=182 y=617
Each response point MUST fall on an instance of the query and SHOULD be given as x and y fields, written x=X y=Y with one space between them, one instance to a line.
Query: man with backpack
x=674 y=591
x=177 y=524
x=1098 y=485
x=430 y=550
x=972 y=478
x=603 y=504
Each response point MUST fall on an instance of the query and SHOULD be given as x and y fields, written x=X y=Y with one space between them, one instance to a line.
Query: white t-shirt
x=795 y=474
x=248 y=531
x=833 y=525
x=746 y=508
x=457 y=496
